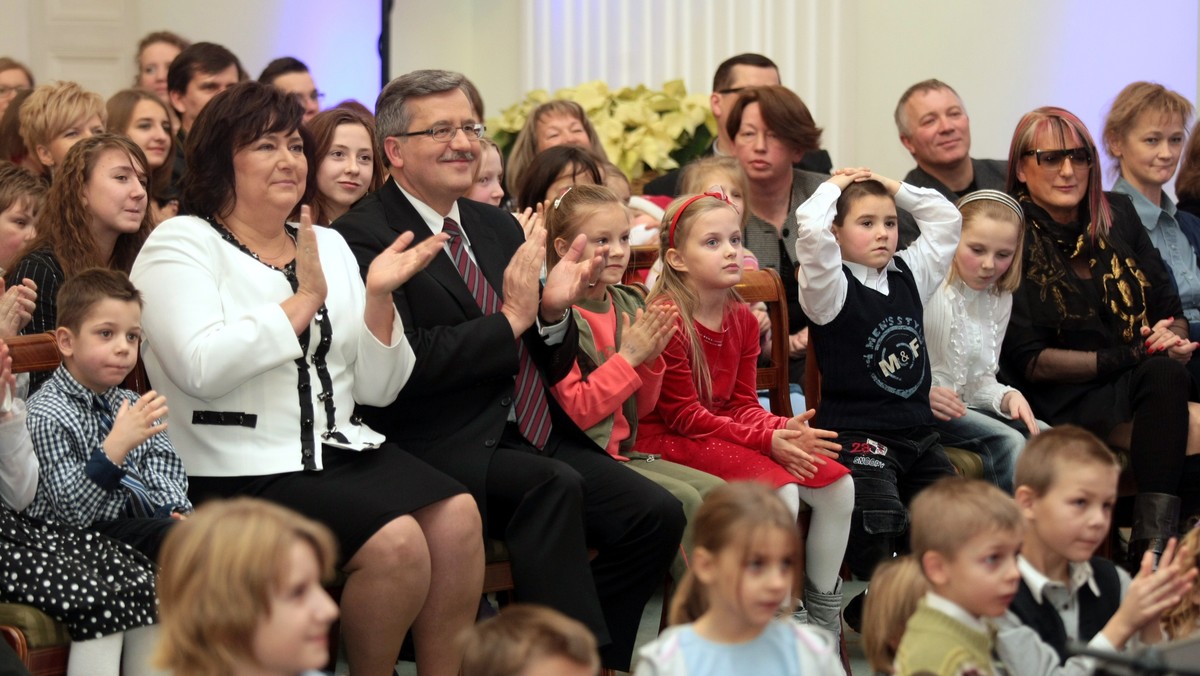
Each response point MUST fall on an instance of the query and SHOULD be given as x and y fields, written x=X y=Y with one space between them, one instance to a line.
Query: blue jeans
x=995 y=440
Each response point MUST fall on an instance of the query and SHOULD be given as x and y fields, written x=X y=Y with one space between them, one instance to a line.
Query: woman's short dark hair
x=231 y=121
x=546 y=167
x=783 y=112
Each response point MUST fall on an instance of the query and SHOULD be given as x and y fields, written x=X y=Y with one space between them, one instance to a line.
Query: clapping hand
x=16 y=307
x=649 y=333
x=570 y=278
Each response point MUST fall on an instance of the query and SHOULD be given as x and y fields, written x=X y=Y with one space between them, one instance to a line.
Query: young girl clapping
x=708 y=415
x=619 y=371
x=746 y=549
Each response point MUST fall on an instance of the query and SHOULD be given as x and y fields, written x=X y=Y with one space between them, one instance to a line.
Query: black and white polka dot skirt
x=93 y=585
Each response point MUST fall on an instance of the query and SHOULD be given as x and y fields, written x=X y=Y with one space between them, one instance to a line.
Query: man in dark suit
x=733 y=75
x=934 y=127
x=484 y=362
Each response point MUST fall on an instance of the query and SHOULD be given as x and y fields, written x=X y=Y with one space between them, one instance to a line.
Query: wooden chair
x=41 y=643
x=641 y=259
x=765 y=286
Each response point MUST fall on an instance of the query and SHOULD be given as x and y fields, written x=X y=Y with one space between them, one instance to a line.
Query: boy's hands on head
x=1151 y=593
x=844 y=177
x=1018 y=408
x=648 y=335
x=890 y=184
x=16 y=306
x=946 y=403
x=134 y=425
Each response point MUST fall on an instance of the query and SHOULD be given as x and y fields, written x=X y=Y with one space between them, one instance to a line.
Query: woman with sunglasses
x=1097 y=336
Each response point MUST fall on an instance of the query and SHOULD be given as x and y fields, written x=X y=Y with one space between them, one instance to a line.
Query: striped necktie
x=138 y=504
x=533 y=413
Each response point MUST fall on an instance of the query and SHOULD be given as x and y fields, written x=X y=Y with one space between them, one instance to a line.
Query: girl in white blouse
x=965 y=322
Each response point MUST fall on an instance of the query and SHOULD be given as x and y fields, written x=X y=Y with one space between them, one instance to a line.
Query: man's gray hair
x=392 y=115
x=931 y=85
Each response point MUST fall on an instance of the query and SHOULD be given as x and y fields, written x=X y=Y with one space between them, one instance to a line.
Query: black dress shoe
x=853 y=612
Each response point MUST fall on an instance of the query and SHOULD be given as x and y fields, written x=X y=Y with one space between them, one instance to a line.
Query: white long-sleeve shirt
x=18 y=463
x=822 y=284
x=217 y=340
x=964 y=329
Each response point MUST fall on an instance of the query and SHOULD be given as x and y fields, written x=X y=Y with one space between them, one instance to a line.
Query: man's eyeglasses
x=1053 y=159
x=315 y=96
x=446 y=133
x=7 y=91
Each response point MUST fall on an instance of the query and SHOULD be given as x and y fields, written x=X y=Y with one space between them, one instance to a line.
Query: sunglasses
x=1053 y=159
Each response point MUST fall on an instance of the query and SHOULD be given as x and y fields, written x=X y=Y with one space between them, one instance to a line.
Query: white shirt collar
x=955 y=611
x=430 y=215
x=1079 y=574
x=870 y=276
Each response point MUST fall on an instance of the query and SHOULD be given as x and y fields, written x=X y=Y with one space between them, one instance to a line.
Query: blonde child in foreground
x=965 y=536
x=529 y=640
x=1066 y=481
x=1184 y=619
x=240 y=592
x=897 y=586
x=742 y=571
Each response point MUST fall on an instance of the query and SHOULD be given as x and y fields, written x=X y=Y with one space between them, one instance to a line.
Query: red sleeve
x=602 y=394
x=651 y=373
x=744 y=405
x=681 y=410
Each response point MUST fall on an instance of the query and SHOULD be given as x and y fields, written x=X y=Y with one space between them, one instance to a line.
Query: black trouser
x=550 y=510
x=888 y=469
x=144 y=534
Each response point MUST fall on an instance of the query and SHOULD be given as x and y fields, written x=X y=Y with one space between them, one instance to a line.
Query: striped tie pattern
x=533 y=413
x=138 y=504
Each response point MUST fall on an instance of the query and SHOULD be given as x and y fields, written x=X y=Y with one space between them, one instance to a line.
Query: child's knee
x=878 y=506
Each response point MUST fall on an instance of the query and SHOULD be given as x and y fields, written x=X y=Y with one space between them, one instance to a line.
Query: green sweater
x=936 y=643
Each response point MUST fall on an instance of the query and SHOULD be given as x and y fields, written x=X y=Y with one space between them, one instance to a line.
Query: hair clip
x=995 y=196
x=558 y=200
x=718 y=194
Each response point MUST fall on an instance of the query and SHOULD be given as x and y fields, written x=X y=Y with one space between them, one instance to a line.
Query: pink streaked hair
x=1072 y=133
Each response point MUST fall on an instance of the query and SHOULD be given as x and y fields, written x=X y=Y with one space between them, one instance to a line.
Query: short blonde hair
x=217 y=572
x=51 y=109
x=897 y=586
x=522 y=634
x=1061 y=446
x=1137 y=98
x=693 y=179
x=947 y=514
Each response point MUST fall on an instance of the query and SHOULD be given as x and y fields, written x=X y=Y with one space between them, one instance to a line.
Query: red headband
x=720 y=194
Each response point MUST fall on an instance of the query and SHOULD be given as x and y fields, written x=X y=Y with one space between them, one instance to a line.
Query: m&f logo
x=895 y=356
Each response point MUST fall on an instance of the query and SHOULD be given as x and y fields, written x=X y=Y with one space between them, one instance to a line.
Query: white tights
x=104 y=656
x=825 y=546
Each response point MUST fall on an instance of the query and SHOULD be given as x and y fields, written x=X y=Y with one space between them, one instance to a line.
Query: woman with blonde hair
x=240 y=591
x=554 y=123
x=56 y=116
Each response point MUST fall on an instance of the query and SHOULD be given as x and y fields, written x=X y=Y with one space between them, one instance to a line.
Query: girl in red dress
x=708 y=415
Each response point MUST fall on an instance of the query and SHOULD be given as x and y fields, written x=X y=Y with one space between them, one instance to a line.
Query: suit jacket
x=453 y=409
x=989 y=175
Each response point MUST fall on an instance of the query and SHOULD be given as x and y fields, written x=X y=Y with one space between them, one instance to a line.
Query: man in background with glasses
x=290 y=75
x=733 y=75
x=489 y=341
x=935 y=129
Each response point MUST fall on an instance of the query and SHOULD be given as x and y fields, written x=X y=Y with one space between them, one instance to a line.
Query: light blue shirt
x=1172 y=244
x=772 y=652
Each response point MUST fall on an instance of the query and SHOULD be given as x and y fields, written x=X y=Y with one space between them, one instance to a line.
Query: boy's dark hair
x=79 y=294
x=281 y=66
x=202 y=57
x=854 y=192
x=1057 y=449
x=17 y=183
x=724 y=75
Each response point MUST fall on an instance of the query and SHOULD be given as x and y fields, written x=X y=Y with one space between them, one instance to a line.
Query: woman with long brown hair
x=146 y=120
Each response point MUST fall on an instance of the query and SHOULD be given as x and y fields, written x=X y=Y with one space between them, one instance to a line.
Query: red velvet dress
x=731 y=436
